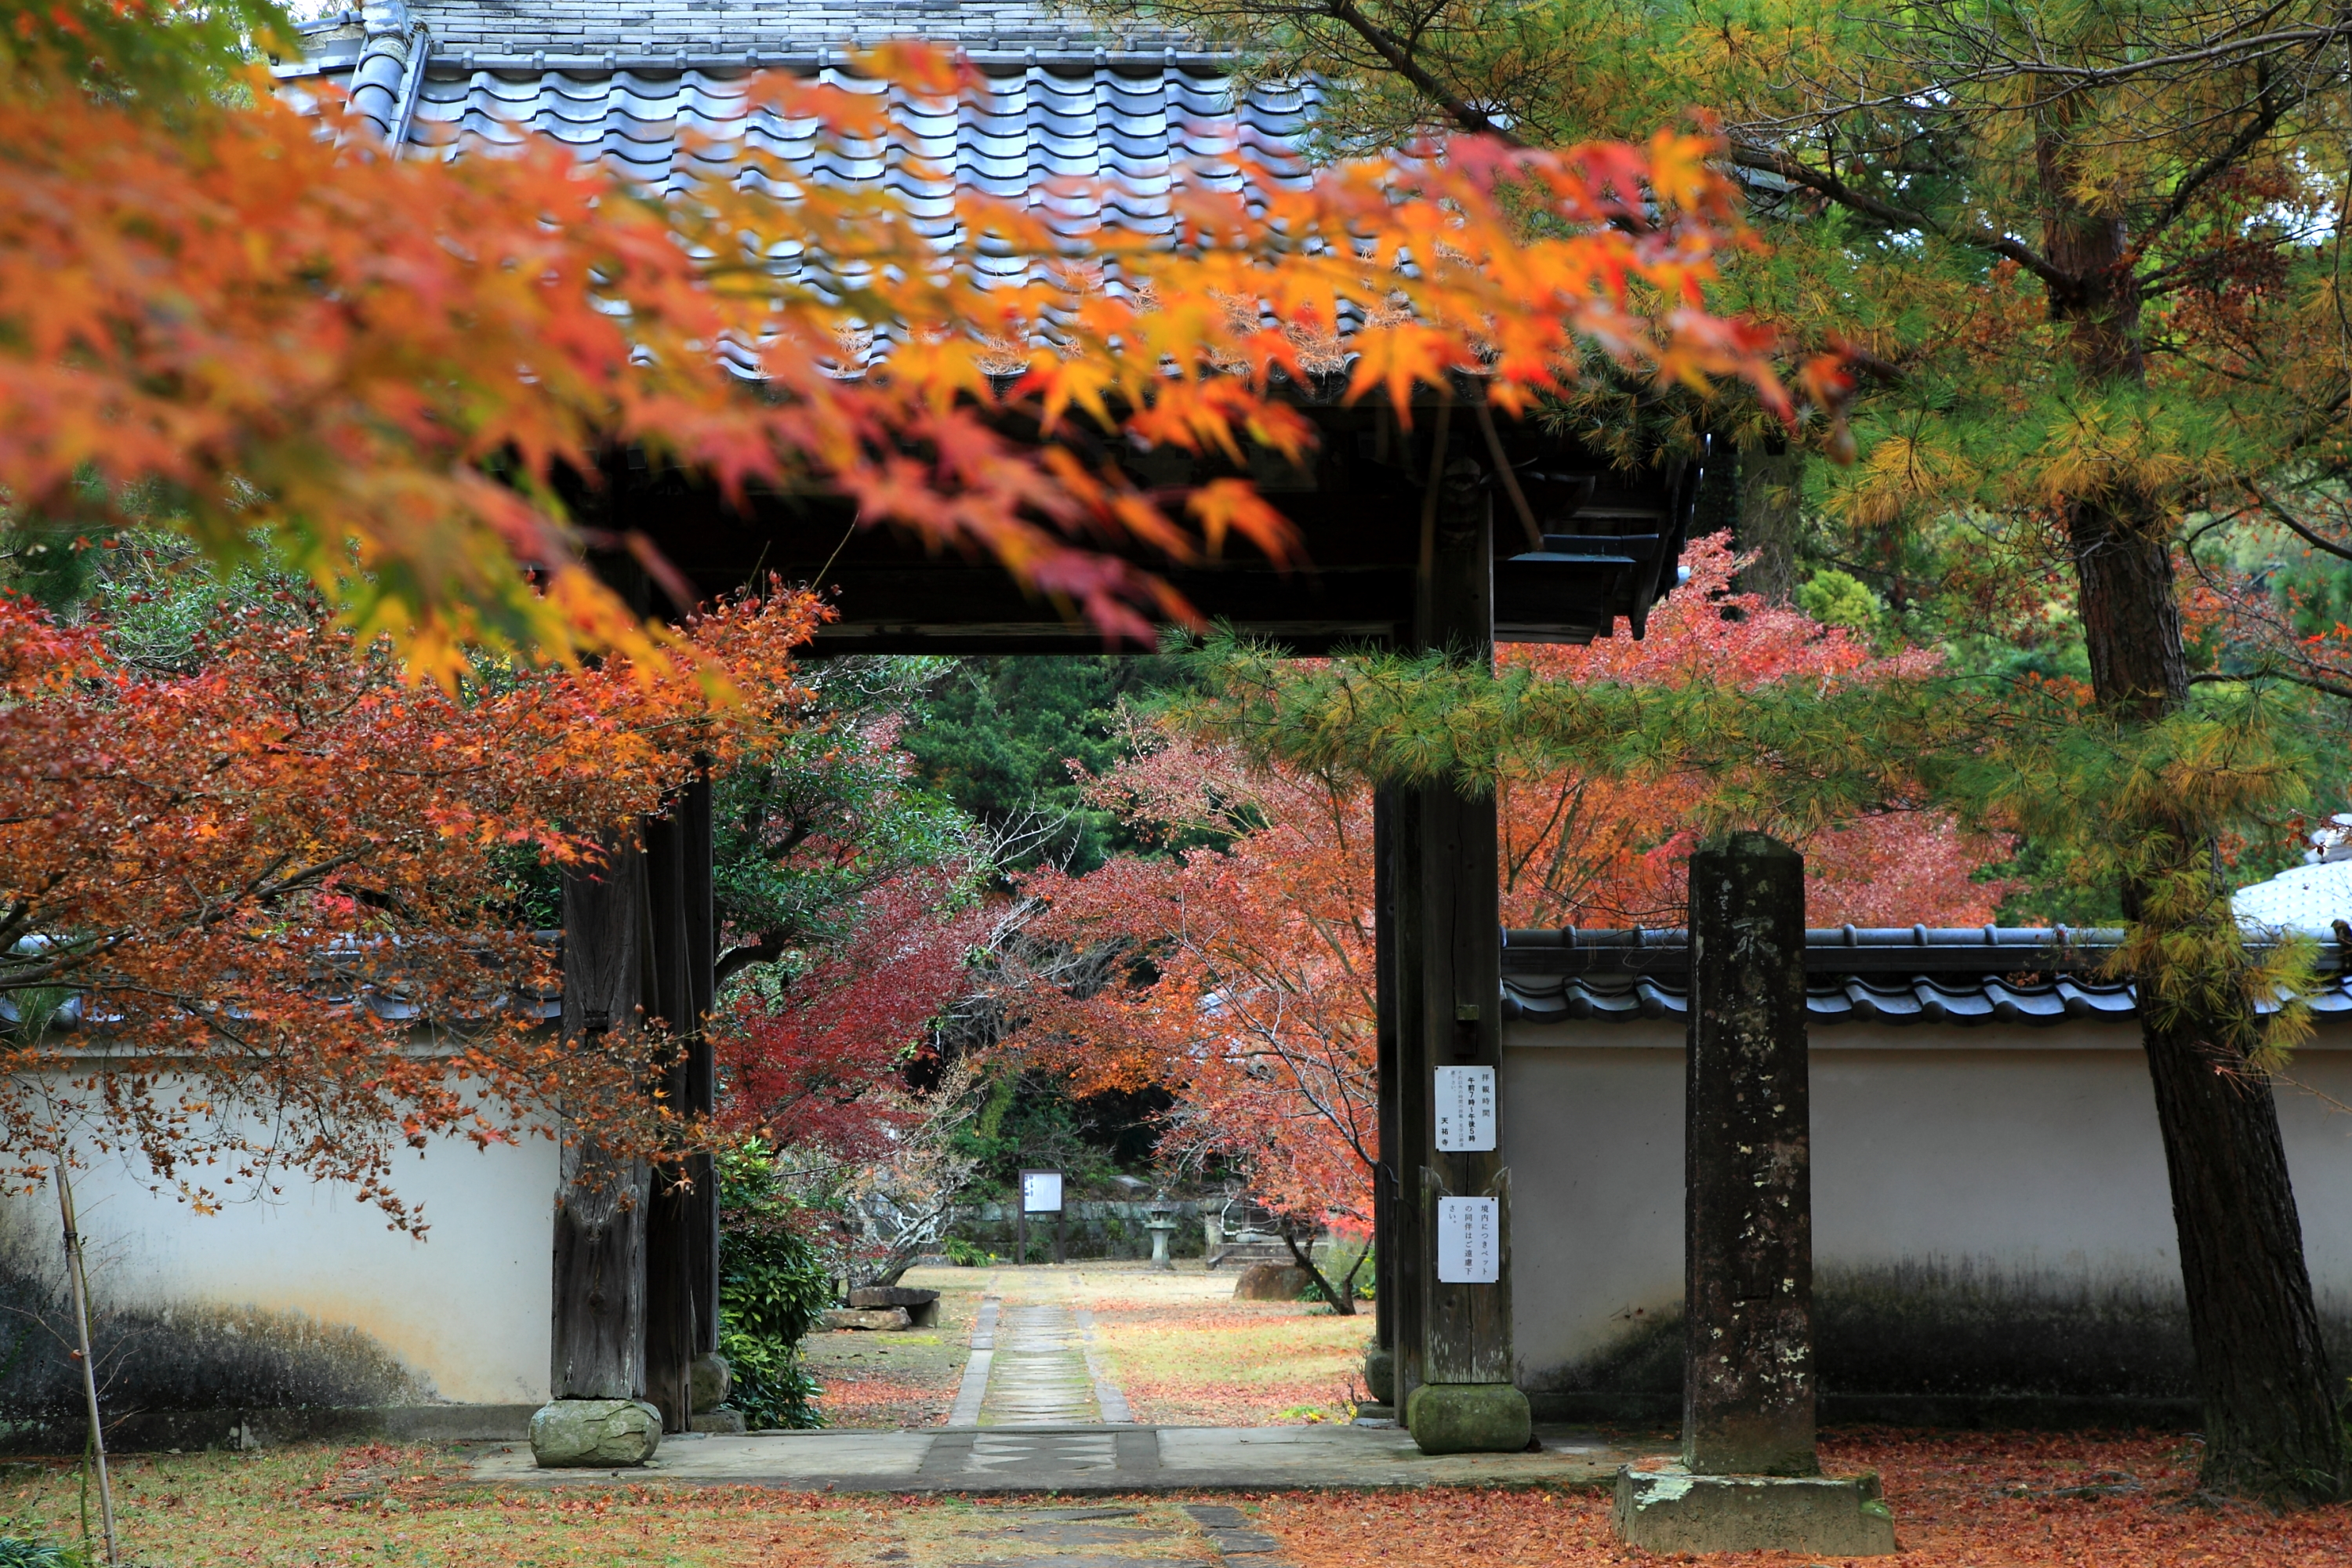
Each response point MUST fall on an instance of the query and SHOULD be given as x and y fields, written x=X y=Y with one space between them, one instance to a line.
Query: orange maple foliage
x=392 y=368
x=264 y=906
x=1256 y=1008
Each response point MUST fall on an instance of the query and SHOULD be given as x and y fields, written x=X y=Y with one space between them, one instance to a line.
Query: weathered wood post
x=597 y=1352
x=1381 y=1358
x=1750 y=1480
x=680 y=1249
x=1459 y=1391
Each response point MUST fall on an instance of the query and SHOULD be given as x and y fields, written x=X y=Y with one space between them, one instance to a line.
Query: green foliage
x=20 y=1551
x=965 y=1253
x=840 y=811
x=773 y=1288
x=2114 y=802
x=998 y=736
x=1838 y=598
x=1029 y=1120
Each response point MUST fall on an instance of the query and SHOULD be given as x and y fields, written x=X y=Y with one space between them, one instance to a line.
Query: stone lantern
x=1159 y=1219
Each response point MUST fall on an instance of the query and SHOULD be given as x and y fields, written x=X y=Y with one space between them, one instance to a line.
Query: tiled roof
x=1967 y=977
x=1138 y=108
x=521 y=28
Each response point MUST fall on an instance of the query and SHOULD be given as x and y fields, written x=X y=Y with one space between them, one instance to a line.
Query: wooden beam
x=598 y=1330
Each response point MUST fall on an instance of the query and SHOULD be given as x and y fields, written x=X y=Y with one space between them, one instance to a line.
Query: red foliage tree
x=275 y=894
x=818 y=1059
x=1248 y=991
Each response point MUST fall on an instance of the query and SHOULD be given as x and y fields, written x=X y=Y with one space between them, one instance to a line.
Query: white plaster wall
x=466 y=1307
x=2032 y=1153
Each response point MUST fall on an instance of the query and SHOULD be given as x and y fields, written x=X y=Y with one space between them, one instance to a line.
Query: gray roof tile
x=1967 y=978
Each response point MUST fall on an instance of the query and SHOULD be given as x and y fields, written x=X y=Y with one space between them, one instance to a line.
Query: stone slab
x=1670 y=1509
x=1085 y=1460
x=884 y=1320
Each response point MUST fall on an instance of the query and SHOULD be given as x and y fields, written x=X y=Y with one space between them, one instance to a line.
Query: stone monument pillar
x=1750 y=1480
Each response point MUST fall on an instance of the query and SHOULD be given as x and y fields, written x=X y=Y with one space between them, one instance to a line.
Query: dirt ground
x=1177 y=1344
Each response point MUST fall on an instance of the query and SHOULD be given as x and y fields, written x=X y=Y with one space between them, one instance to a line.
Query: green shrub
x=773 y=1288
x=965 y=1253
x=16 y=1551
x=1838 y=598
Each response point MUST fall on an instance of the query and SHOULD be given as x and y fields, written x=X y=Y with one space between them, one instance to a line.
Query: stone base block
x=1672 y=1510
x=1371 y=1414
x=708 y=1379
x=594 y=1434
x=1380 y=1374
x=1468 y=1418
x=883 y=1320
x=721 y=1423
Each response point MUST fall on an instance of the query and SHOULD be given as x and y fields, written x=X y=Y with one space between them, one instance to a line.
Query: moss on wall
x=182 y=1357
x=1932 y=1331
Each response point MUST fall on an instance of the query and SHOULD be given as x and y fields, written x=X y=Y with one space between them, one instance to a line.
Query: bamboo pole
x=78 y=1277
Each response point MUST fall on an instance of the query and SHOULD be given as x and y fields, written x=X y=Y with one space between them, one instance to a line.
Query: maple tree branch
x=1771 y=160
x=1344 y=1307
x=767 y=948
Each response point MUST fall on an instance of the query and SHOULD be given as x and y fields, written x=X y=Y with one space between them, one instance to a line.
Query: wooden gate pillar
x=1458 y=1392
x=681 y=1242
x=1388 y=1241
x=599 y=1325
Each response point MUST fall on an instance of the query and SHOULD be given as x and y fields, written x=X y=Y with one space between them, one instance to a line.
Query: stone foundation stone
x=710 y=1380
x=1468 y=1418
x=1380 y=1374
x=1671 y=1509
x=719 y=1423
x=594 y=1434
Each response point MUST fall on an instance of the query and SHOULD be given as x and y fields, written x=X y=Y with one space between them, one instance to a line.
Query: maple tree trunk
x=2271 y=1429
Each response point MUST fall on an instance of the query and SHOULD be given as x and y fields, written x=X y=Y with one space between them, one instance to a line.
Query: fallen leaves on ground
x=883 y=1399
x=1241 y=1365
x=1960 y=1500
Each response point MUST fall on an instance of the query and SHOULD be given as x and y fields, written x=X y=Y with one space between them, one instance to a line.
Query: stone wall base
x=1671 y=1509
x=194 y=1431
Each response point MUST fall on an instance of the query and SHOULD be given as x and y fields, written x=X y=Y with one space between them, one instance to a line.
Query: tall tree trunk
x=2262 y=1370
x=1771 y=480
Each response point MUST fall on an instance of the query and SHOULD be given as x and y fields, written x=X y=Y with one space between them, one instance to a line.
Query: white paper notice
x=1468 y=1247
x=1041 y=1192
x=1465 y=1109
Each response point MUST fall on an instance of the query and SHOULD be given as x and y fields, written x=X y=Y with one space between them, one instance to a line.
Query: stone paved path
x=1088 y=1459
x=1038 y=1375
